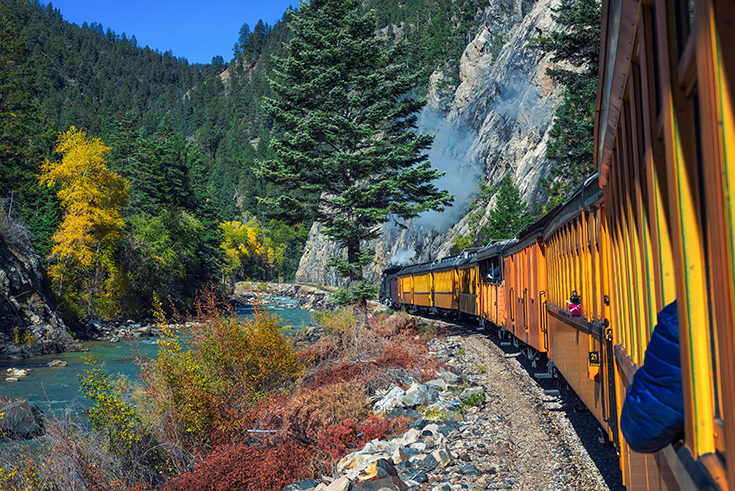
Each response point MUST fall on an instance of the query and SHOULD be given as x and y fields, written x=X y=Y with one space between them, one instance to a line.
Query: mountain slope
x=495 y=122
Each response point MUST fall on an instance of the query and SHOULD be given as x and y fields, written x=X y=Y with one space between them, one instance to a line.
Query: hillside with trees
x=186 y=139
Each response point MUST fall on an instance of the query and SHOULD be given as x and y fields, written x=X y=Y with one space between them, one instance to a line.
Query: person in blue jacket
x=653 y=412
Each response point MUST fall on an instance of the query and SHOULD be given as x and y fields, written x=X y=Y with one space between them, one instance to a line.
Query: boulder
x=57 y=363
x=390 y=400
x=18 y=372
x=419 y=395
x=18 y=419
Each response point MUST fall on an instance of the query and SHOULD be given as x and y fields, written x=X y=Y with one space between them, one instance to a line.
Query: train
x=656 y=223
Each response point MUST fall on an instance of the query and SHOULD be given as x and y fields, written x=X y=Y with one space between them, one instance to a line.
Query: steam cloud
x=450 y=154
x=403 y=257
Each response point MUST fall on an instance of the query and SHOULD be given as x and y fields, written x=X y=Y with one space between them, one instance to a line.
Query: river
x=54 y=390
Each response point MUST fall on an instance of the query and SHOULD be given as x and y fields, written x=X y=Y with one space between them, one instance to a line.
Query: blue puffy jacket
x=653 y=412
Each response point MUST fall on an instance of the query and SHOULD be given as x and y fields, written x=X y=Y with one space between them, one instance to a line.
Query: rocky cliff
x=495 y=122
x=28 y=325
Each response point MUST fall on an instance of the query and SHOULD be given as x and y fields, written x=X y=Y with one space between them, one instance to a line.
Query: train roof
x=585 y=196
x=393 y=269
x=450 y=262
x=495 y=249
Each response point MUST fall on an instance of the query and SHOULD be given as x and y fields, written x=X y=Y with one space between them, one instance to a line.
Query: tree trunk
x=360 y=311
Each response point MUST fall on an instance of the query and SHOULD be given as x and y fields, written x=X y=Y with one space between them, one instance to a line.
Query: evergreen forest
x=179 y=143
x=185 y=139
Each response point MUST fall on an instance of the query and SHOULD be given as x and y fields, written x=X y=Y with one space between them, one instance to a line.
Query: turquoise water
x=54 y=390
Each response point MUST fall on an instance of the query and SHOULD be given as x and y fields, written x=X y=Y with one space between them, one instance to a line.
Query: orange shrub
x=268 y=467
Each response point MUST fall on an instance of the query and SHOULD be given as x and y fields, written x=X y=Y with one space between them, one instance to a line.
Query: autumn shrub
x=337 y=322
x=133 y=448
x=210 y=385
x=20 y=474
x=242 y=467
x=347 y=435
x=311 y=409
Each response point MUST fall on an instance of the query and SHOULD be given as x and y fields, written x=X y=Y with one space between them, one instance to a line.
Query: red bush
x=347 y=436
x=268 y=467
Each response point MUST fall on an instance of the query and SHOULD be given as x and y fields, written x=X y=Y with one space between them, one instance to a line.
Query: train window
x=707 y=272
x=684 y=16
x=654 y=53
x=496 y=271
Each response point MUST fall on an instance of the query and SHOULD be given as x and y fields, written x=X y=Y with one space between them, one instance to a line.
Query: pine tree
x=349 y=135
x=571 y=144
x=510 y=215
x=21 y=132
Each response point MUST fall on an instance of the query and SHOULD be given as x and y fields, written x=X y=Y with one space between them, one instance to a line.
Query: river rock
x=18 y=419
x=18 y=372
x=57 y=363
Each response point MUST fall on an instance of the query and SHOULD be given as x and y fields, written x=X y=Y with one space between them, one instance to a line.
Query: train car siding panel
x=569 y=350
x=422 y=289
x=444 y=290
x=468 y=279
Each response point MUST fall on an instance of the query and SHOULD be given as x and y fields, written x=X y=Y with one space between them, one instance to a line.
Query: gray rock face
x=494 y=123
x=25 y=313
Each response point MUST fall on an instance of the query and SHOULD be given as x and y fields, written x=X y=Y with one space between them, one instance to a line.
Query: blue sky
x=193 y=29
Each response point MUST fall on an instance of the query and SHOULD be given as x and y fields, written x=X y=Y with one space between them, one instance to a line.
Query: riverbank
x=308 y=297
x=407 y=402
x=50 y=340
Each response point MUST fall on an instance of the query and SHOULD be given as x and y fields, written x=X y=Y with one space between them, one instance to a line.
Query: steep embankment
x=495 y=122
x=28 y=325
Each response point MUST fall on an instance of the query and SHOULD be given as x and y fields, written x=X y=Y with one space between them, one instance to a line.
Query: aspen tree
x=83 y=270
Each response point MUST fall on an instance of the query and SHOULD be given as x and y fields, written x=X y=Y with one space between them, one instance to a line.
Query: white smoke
x=403 y=257
x=450 y=154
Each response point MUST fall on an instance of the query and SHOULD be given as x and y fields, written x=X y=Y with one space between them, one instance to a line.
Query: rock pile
x=489 y=428
x=114 y=332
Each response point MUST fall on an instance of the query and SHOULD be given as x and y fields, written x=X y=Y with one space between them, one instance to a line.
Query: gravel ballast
x=485 y=424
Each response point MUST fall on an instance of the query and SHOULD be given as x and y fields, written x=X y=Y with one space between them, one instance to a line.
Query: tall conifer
x=349 y=136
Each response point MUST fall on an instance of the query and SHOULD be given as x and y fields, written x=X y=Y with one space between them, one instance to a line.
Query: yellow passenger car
x=665 y=140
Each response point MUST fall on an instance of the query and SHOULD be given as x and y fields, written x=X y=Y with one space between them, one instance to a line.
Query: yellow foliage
x=83 y=269
x=246 y=242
